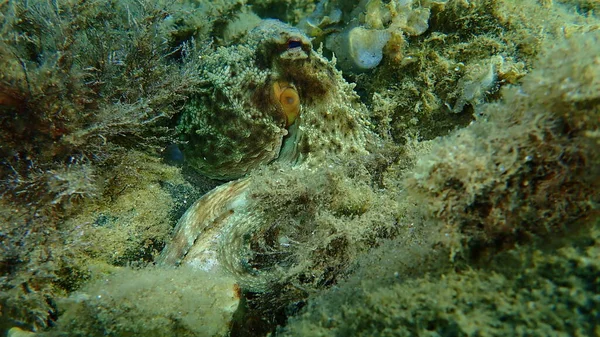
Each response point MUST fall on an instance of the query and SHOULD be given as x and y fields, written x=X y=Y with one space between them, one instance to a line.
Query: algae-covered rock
x=360 y=34
x=530 y=157
x=545 y=293
x=84 y=87
x=429 y=84
x=484 y=190
x=94 y=90
x=510 y=209
x=151 y=302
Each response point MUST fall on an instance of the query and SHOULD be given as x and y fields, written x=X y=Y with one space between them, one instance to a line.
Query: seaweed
x=528 y=165
x=83 y=85
x=505 y=238
x=490 y=229
x=425 y=88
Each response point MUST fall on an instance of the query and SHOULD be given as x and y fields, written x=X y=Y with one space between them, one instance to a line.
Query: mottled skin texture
x=237 y=123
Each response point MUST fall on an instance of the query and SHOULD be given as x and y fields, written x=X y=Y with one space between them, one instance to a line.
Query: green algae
x=514 y=252
x=83 y=84
x=426 y=90
x=545 y=292
x=489 y=230
x=150 y=302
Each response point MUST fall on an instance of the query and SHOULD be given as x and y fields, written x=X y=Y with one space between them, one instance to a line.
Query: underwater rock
x=479 y=78
x=148 y=302
x=324 y=15
x=152 y=302
x=413 y=20
x=528 y=165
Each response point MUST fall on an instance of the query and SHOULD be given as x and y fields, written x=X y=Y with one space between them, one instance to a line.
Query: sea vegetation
x=514 y=199
x=359 y=33
x=476 y=215
x=523 y=292
x=528 y=164
x=425 y=67
x=151 y=302
x=434 y=82
x=87 y=93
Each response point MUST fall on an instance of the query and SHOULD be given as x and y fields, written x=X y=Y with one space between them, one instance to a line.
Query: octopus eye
x=294 y=43
x=288 y=100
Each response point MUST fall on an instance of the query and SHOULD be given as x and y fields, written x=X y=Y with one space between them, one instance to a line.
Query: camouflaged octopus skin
x=273 y=98
x=241 y=117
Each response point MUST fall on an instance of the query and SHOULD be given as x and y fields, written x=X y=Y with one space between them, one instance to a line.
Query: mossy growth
x=87 y=96
x=505 y=235
x=127 y=224
x=290 y=11
x=150 y=302
x=587 y=7
x=545 y=292
x=529 y=164
x=80 y=86
x=130 y=224
x=437 y=81
x=87 y=100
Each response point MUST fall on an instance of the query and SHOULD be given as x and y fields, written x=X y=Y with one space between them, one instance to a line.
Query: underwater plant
x=511 y=213
x=121 y=118
x=82 y=86
x=528 y=165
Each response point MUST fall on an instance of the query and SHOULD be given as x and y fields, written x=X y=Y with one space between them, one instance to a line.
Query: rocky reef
x=193 y=168
x=520 y=234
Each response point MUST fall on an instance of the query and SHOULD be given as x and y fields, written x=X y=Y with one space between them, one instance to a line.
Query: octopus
x=271 y=100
